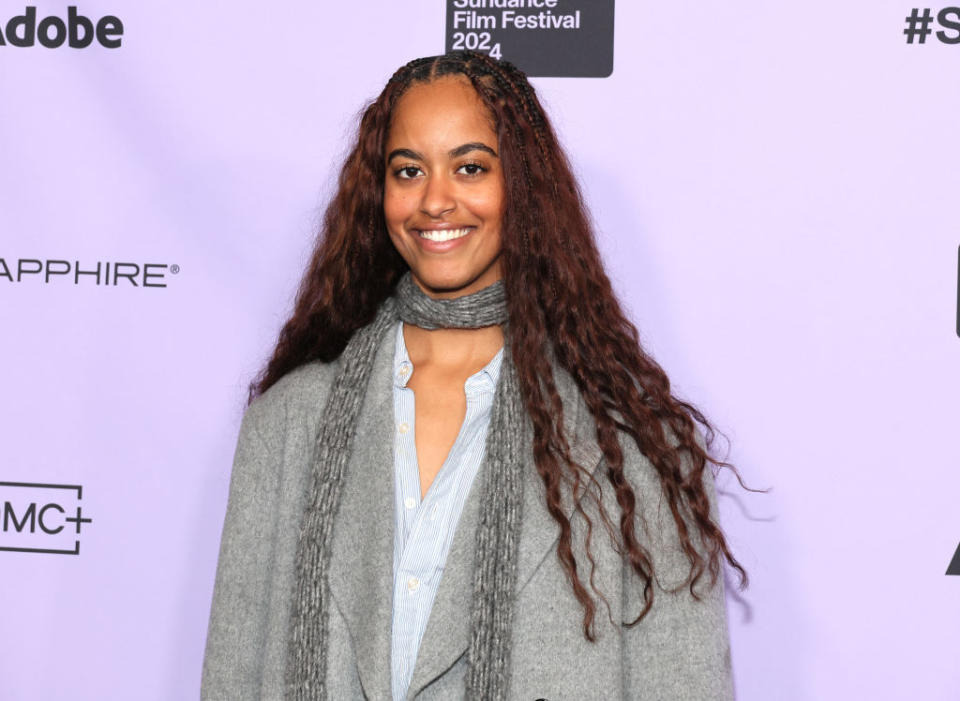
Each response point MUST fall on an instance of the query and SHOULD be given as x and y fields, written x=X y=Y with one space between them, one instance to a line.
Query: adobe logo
x=78 y=32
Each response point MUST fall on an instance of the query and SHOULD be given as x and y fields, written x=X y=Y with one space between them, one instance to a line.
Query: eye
x=471 y=169
x=407 y=172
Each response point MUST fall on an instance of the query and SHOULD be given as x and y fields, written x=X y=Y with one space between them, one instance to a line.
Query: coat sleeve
x=679 y=651
x=235 y=638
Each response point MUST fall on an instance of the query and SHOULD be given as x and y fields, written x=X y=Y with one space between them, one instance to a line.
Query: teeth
x=444 y=234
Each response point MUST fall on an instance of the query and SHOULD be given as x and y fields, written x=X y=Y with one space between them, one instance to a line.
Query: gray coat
x=680 y=651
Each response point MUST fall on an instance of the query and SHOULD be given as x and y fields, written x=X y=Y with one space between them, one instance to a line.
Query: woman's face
x=443 y=198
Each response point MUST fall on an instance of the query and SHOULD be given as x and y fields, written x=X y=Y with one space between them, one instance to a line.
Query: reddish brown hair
x=561 y=305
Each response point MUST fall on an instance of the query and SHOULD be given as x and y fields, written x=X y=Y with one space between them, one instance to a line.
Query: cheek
x=489 y=204
x=396 y=207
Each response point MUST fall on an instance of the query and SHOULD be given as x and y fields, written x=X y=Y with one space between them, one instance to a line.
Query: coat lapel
x=361 y=560
x=447 y=635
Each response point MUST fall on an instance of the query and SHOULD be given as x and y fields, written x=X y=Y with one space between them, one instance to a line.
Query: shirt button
x=404 y=369
x=413 y=584
x=410 y=502
x=404 y=427
x=433 y=512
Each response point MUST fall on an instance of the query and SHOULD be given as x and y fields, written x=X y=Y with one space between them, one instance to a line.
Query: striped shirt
x=424 y=531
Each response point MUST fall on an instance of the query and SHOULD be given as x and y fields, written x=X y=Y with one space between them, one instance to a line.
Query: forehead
x=441 y=112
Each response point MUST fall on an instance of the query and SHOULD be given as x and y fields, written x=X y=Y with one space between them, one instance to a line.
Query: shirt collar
x=402 y=367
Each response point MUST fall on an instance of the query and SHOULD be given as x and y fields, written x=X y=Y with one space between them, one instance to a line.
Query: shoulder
x=297 y=397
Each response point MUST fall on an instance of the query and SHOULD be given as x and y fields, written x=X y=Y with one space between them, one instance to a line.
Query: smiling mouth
x=444 y=234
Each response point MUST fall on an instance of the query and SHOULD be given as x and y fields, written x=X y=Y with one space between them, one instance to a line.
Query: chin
x=450 y=282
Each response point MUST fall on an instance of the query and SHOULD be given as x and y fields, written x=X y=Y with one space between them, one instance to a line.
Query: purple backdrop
x=775 y=192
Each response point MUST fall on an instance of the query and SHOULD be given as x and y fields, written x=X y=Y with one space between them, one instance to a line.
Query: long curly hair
x=561 y=306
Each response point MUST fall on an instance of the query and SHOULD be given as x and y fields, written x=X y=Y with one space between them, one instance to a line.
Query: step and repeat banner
x=775 y=191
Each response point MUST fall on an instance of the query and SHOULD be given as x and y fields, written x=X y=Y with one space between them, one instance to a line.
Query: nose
x=437 y=199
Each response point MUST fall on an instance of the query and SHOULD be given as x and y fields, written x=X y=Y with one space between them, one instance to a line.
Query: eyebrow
x=461 y=150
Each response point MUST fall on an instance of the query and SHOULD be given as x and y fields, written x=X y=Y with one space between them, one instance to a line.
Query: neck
x=454 y=334
x=469 y=349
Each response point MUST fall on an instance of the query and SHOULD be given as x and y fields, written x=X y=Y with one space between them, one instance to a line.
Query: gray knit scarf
x=497 y=536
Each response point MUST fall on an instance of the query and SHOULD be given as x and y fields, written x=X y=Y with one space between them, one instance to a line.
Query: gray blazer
x=679 y=651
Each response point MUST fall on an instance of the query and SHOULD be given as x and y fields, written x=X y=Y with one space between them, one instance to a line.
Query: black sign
x=954 y=567
x=558 y=38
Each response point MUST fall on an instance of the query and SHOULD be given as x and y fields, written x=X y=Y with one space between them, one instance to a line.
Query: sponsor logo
x=105 y=273
x=77 y=31
x=42 y=518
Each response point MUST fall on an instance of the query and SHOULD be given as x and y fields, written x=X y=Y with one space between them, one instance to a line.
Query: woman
x=419 y=473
